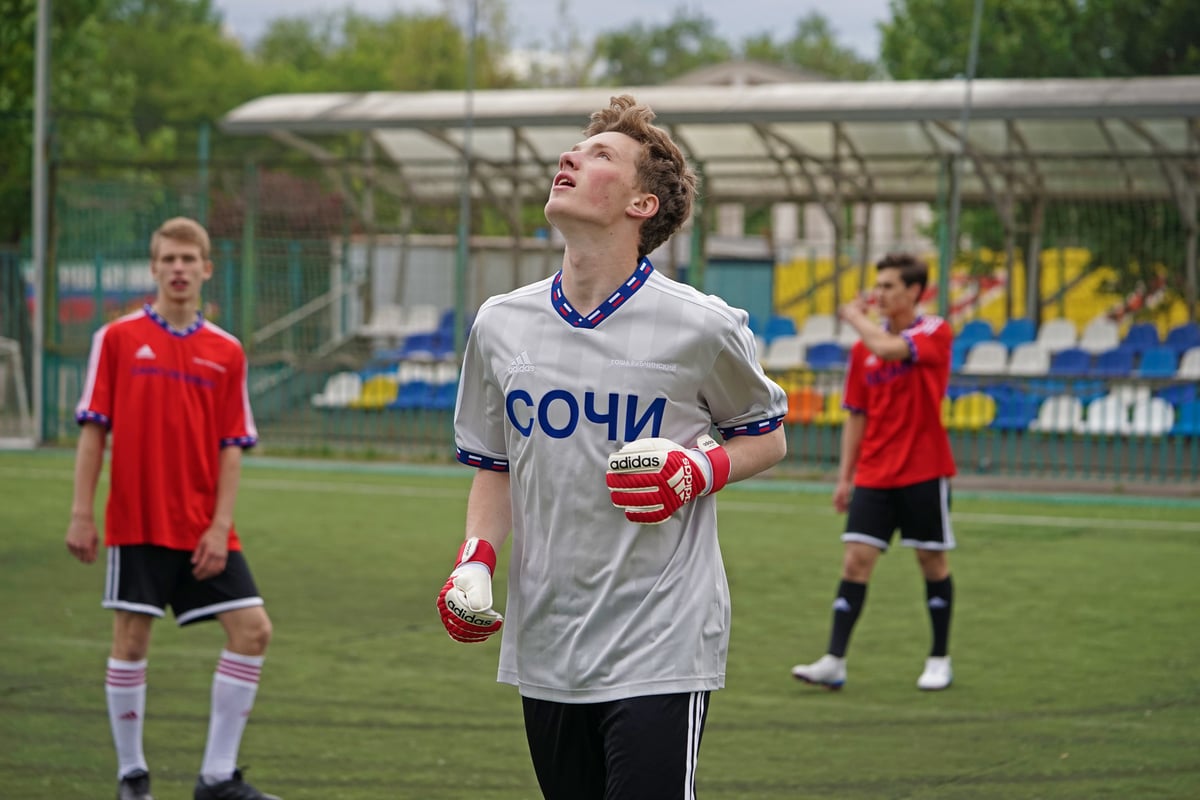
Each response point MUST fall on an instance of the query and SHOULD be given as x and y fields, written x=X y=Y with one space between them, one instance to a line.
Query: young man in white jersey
x=171 y=388
x=585 y=402
x=896 y=463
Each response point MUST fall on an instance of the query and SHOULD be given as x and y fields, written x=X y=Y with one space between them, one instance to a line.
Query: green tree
x=929 y=39
x=813 y=47
x=89 y=105
x=348 y=51
x=183 y=66
x=640 y=55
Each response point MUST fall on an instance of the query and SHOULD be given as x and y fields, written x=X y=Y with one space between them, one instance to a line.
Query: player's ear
x=643 y=205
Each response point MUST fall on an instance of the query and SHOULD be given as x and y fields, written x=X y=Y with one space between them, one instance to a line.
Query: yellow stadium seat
x=972 y=411
x=832 y=413
x=377 y=392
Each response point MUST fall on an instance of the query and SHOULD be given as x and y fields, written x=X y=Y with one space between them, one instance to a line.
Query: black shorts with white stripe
x=920 y=510
x=639 y=748
x=145 y=579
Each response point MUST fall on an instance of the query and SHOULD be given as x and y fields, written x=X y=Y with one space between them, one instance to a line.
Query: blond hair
x=181 y=229
x=661 y=168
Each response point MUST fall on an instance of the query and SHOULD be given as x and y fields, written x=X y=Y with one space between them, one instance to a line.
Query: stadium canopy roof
x=832 y=142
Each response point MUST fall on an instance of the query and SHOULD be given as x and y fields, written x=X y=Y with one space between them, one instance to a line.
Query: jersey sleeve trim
x=758 y=428
x=244 y=442
x=912 y=346
x=84 y=416
x=480 y=461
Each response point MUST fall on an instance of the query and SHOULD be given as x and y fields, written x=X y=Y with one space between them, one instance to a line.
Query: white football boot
x=937 y=675
x=828 y=671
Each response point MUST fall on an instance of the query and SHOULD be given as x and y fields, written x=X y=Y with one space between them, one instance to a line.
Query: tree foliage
x=641 y=55
x=813 y=47
x=929 y=39
x=348 y=51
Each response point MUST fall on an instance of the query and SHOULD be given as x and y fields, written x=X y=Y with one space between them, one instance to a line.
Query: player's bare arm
x=210 y=555
x=852 y=436
x=884 y=344
x=489 y=508
x=82 y=536
x=750 y=455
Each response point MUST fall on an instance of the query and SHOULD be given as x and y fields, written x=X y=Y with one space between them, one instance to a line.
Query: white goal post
x=16 y=421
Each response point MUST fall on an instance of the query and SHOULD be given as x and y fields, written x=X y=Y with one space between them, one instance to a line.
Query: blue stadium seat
x=1116 y=363
x=779 y=325
x=1179 y=393
x=958 y=357
x=420 y=345
x=975 y=331
x=1182 y=337
x=825 y=355
x=1071 y=361
x=444 y=396
x=1159 y=362
x=1015 y=411
x=1017 y=331
x=413 y=395
x=1187 y=419
x=1140 y=337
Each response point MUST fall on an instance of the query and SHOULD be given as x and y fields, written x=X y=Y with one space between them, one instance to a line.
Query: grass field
x=1076 y=648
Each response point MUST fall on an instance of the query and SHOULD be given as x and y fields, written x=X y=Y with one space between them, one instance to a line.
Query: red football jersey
x=172 y=399
x=904 y=441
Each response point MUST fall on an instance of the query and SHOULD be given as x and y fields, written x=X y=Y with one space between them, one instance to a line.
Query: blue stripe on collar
x=605 y=309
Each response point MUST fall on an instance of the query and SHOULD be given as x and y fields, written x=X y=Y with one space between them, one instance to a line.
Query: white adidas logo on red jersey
x=144 y=352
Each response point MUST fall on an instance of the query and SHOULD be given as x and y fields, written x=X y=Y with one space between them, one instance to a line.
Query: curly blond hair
x=661 y=169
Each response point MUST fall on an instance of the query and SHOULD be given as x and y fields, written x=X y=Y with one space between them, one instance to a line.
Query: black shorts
x=921 y=511
x=145 y=579
x=640 y=748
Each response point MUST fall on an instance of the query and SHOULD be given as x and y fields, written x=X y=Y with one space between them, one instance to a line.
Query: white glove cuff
x=706 y=468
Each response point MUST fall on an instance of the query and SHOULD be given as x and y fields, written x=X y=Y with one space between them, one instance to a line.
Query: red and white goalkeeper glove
x=465 y=603
x=652 y=478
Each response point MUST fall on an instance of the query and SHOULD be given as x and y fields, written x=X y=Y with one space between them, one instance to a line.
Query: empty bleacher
x=1103 y=380
x=412 y=366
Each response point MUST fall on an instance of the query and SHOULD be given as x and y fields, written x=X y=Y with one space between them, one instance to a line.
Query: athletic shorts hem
x=865 y=539
x=198 y=614
x=136 y=608
x=920 y=544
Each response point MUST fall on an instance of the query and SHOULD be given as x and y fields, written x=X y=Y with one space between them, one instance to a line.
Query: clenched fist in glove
x=651 y=478
x=465 y=602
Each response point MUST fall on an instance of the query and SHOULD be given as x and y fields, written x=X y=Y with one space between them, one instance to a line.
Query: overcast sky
x=854 y=21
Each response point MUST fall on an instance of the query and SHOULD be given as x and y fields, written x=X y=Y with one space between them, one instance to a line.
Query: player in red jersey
x=895 y=462
x=171 y=387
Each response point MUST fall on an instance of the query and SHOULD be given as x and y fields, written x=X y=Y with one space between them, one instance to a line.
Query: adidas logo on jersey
x=521 y=364
x=144 y=352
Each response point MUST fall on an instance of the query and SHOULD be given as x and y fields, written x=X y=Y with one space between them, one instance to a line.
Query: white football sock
x=234 y=687
x=125 y=687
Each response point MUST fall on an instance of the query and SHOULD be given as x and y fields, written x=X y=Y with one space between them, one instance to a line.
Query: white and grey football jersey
x=600 y=608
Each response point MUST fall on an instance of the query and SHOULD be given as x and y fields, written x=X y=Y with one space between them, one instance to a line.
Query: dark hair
x=661 y=168
x=912 y=269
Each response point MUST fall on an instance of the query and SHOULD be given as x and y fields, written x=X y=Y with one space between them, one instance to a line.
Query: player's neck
x=902 y=321
x=179 y=315
x=590 y=276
